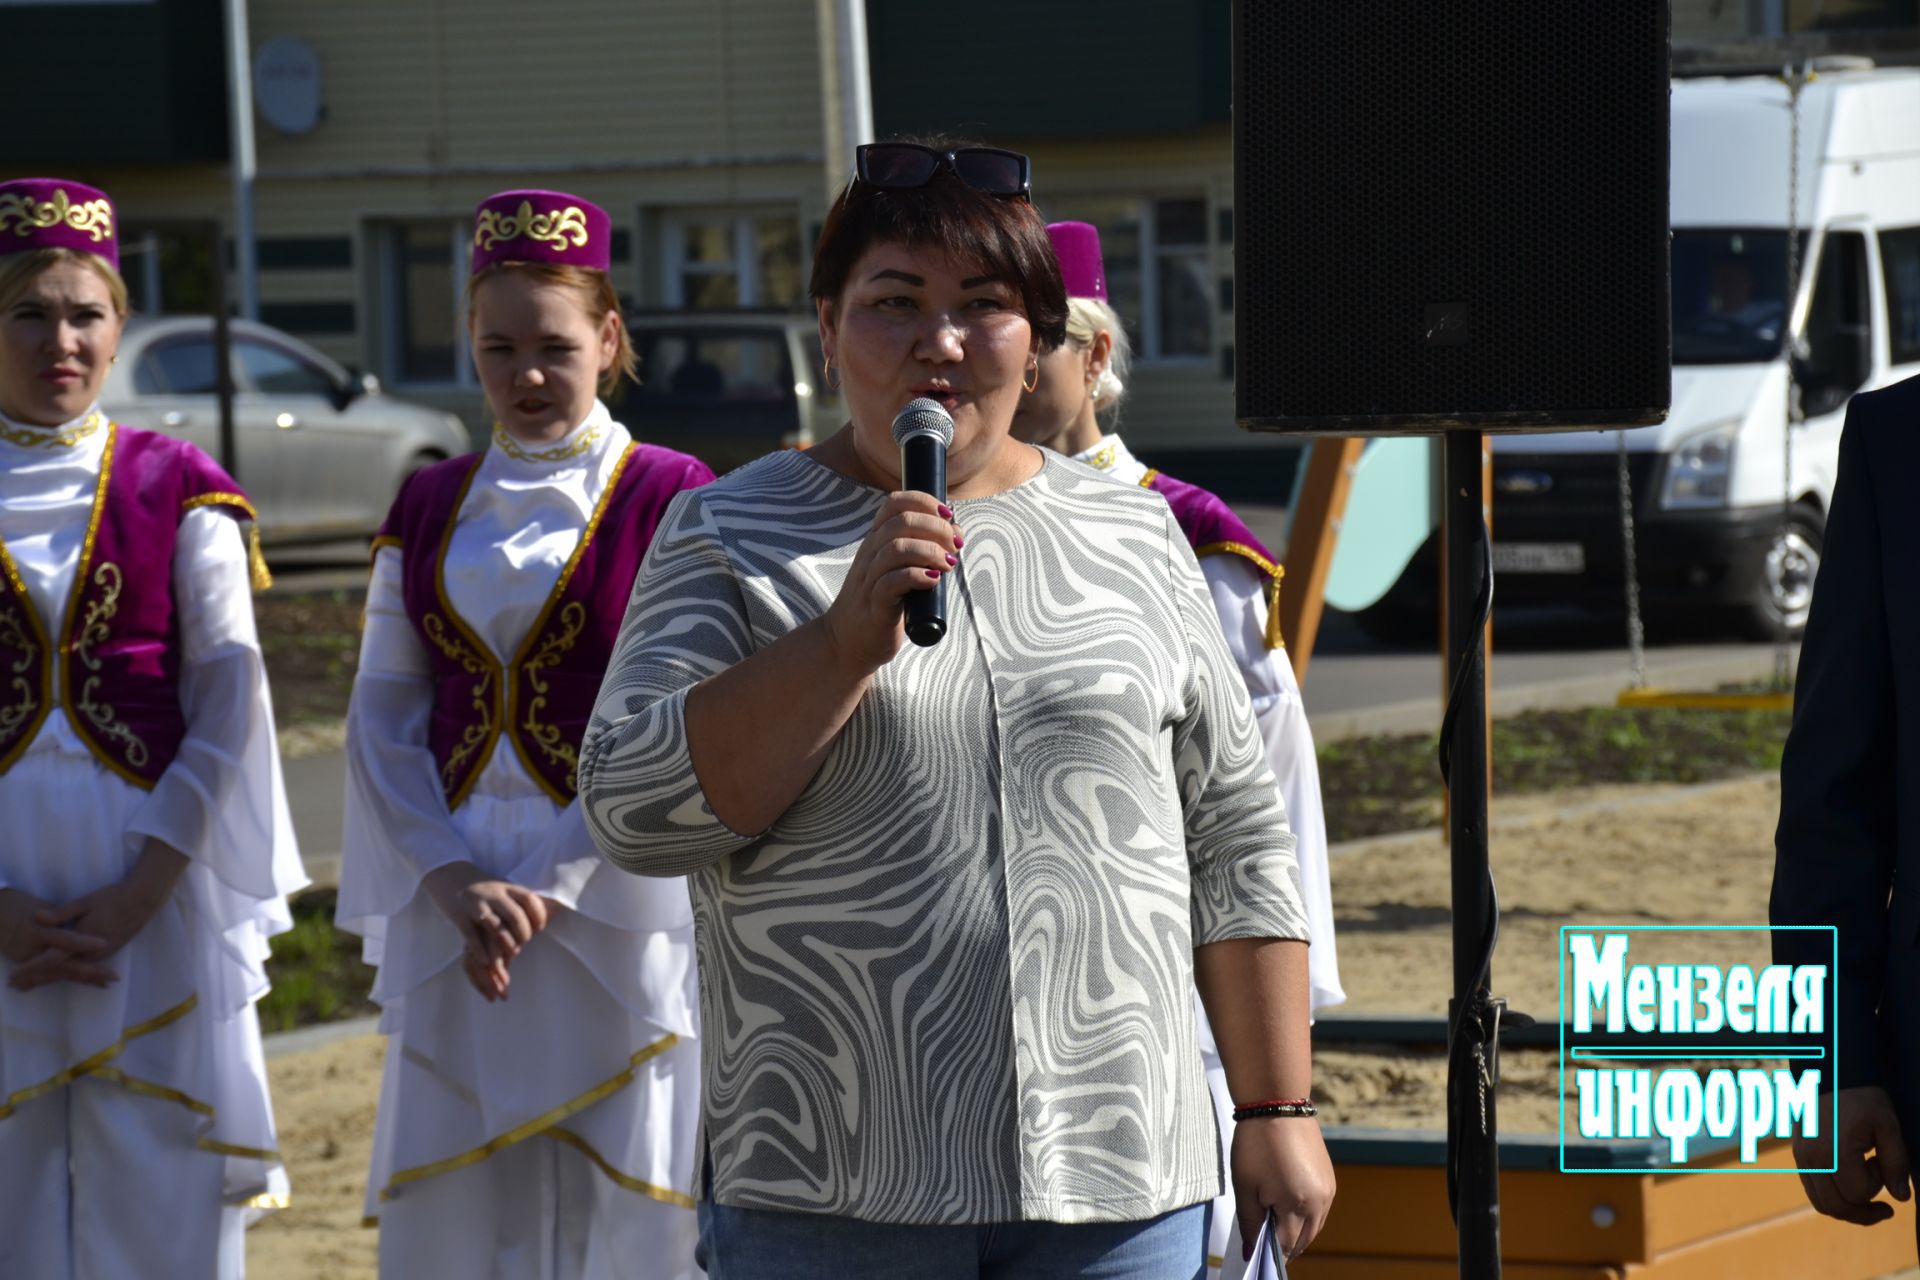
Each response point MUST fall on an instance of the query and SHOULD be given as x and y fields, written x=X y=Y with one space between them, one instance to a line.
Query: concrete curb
x=1422 y=715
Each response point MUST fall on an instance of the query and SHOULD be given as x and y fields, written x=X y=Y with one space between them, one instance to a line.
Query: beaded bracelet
x=1275 y=1107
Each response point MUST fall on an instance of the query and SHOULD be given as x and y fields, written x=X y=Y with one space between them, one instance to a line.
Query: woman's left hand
x=114 y=914
x=1281 y=1167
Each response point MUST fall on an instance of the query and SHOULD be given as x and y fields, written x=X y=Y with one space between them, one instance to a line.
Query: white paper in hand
x=1267 y=1263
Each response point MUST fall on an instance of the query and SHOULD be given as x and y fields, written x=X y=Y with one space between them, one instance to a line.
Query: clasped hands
x=50 y=942
x=496 y=920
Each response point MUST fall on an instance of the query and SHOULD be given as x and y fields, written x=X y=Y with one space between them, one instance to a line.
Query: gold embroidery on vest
x=93 y=631
x=476 y=735
x=24 y=632
x=14 y=633
x=536 y=653
x=573 y=620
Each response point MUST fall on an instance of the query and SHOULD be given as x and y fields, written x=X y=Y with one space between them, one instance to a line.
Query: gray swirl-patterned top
x=953 y=983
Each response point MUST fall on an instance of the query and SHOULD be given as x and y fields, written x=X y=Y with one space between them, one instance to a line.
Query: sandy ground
x=1621 y=856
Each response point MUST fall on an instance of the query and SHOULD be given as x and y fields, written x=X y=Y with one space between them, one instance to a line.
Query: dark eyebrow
x=891 y=274
x=974 y=282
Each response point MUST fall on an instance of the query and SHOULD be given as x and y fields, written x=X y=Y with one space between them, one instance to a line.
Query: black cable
x=1471 y=661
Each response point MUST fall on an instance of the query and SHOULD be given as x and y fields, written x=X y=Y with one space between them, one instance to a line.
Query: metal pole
x=856 y=92
x=223 y=355
x=1473 y=1152
x=240 y=138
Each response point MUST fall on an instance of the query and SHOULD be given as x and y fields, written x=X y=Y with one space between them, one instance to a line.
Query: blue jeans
x=760 y=1244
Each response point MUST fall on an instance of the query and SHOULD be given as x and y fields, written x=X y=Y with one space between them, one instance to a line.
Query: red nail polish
x=946 y=512
x=933 y=573
x=958 y=541
x=953 y=559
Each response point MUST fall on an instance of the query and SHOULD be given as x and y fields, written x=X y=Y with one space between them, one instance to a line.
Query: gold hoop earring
x=826 y=375
x=1033 y=386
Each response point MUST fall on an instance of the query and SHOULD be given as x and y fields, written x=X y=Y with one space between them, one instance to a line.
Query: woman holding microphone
x=951 y=901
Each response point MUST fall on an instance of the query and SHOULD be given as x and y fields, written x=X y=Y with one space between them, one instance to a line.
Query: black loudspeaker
x=1451 y=214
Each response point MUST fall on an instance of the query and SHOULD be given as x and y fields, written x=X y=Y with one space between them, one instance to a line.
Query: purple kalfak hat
x=53 y=213
x=541 y=226
x=1077 y=246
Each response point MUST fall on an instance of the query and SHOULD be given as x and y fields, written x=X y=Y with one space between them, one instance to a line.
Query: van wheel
x=1787 y=575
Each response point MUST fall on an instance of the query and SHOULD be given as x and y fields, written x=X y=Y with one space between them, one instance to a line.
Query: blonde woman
x=147 y=848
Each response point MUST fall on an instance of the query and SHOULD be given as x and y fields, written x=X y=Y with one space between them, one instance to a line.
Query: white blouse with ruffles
x=610 y=983
x=74 y=826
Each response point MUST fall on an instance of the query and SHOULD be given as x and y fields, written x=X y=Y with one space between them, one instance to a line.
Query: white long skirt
x=177 y=1033
x=551 y=1134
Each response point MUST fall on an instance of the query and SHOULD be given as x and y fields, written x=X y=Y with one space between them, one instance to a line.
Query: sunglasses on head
x=901 y=166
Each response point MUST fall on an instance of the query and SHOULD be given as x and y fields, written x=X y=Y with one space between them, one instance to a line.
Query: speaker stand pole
x=1472 y=1142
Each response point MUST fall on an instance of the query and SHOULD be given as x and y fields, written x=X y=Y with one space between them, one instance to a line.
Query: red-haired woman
x=952 y=901
x=147 y=848
x=540 y=1097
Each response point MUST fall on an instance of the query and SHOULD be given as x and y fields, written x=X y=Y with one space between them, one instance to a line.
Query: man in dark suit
x=1847 y=852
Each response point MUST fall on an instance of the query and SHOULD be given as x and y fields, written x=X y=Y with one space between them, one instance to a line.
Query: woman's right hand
x=496 y=919
x=913 y=541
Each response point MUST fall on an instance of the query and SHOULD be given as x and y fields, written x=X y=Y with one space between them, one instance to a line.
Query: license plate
x=1539 y=557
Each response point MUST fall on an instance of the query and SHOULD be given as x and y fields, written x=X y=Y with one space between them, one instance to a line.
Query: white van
x=1707 y=483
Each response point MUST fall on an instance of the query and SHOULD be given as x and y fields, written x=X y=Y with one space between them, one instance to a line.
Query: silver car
x=321 y=451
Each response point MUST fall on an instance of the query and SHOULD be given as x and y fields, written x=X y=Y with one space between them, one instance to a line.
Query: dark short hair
x=1004 y=235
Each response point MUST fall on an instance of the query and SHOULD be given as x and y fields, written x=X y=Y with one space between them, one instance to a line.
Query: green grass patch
x=311 y=644
x=1371 y=786
x=316 y=971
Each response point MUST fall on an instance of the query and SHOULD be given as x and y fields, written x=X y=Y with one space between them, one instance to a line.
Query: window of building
x=1900 y=262
x=169 y=272
x=728 y=259
x=423 y=274
x=1159 y=273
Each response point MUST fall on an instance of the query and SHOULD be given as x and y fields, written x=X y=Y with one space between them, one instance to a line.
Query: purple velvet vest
x=542 y=698
x=1212 y=529
x=120 y=635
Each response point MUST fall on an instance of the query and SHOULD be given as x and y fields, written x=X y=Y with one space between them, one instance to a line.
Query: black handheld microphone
x=923 y=430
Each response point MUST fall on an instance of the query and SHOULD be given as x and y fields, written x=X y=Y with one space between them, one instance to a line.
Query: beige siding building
x=708 y=129
x=702 y=126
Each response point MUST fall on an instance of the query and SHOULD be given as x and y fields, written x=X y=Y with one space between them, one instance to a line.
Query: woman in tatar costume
x=147 y=850
x=541 y=1094
x=1079 y=380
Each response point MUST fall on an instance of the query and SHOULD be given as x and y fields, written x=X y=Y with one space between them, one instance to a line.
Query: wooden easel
x=1313 y=534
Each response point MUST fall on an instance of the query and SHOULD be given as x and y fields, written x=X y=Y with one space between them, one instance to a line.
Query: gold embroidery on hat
x=28 y=215
x=554 y=228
